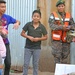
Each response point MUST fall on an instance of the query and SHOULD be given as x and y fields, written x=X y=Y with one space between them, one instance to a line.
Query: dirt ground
x=41 y=73
x=31 y=73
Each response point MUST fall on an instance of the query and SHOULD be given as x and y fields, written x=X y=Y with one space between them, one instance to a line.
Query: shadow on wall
x=46 y=62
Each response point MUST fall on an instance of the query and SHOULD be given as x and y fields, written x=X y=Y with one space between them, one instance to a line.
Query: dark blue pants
x=7 y=60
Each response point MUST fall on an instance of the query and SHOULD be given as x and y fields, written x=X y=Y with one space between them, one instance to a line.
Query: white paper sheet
x=64 y=69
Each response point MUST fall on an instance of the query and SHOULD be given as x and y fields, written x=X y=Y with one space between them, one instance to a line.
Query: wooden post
x=68 y=5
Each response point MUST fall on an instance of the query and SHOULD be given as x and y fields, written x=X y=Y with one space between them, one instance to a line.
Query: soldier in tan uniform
x=60 y=22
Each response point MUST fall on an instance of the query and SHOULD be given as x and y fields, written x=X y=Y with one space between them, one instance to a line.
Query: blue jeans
x=35 y=53
x=0 y=71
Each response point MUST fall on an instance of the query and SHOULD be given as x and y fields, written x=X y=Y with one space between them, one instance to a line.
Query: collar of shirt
x=39 y=23
x=62 y=13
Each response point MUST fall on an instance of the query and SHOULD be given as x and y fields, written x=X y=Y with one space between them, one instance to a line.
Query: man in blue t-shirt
x=5 y=20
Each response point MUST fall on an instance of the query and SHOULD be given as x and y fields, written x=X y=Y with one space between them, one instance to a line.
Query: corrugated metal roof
x=73 y=9
x=21 y=10
x=72 y=46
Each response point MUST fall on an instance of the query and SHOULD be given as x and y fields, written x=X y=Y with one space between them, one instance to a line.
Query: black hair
x=36 y=11
x=2 y=1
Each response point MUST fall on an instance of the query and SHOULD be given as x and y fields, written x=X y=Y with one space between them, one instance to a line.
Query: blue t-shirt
x=6 y=20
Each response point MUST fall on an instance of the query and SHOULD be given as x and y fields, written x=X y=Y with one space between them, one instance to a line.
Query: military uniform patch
x=51 y=17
